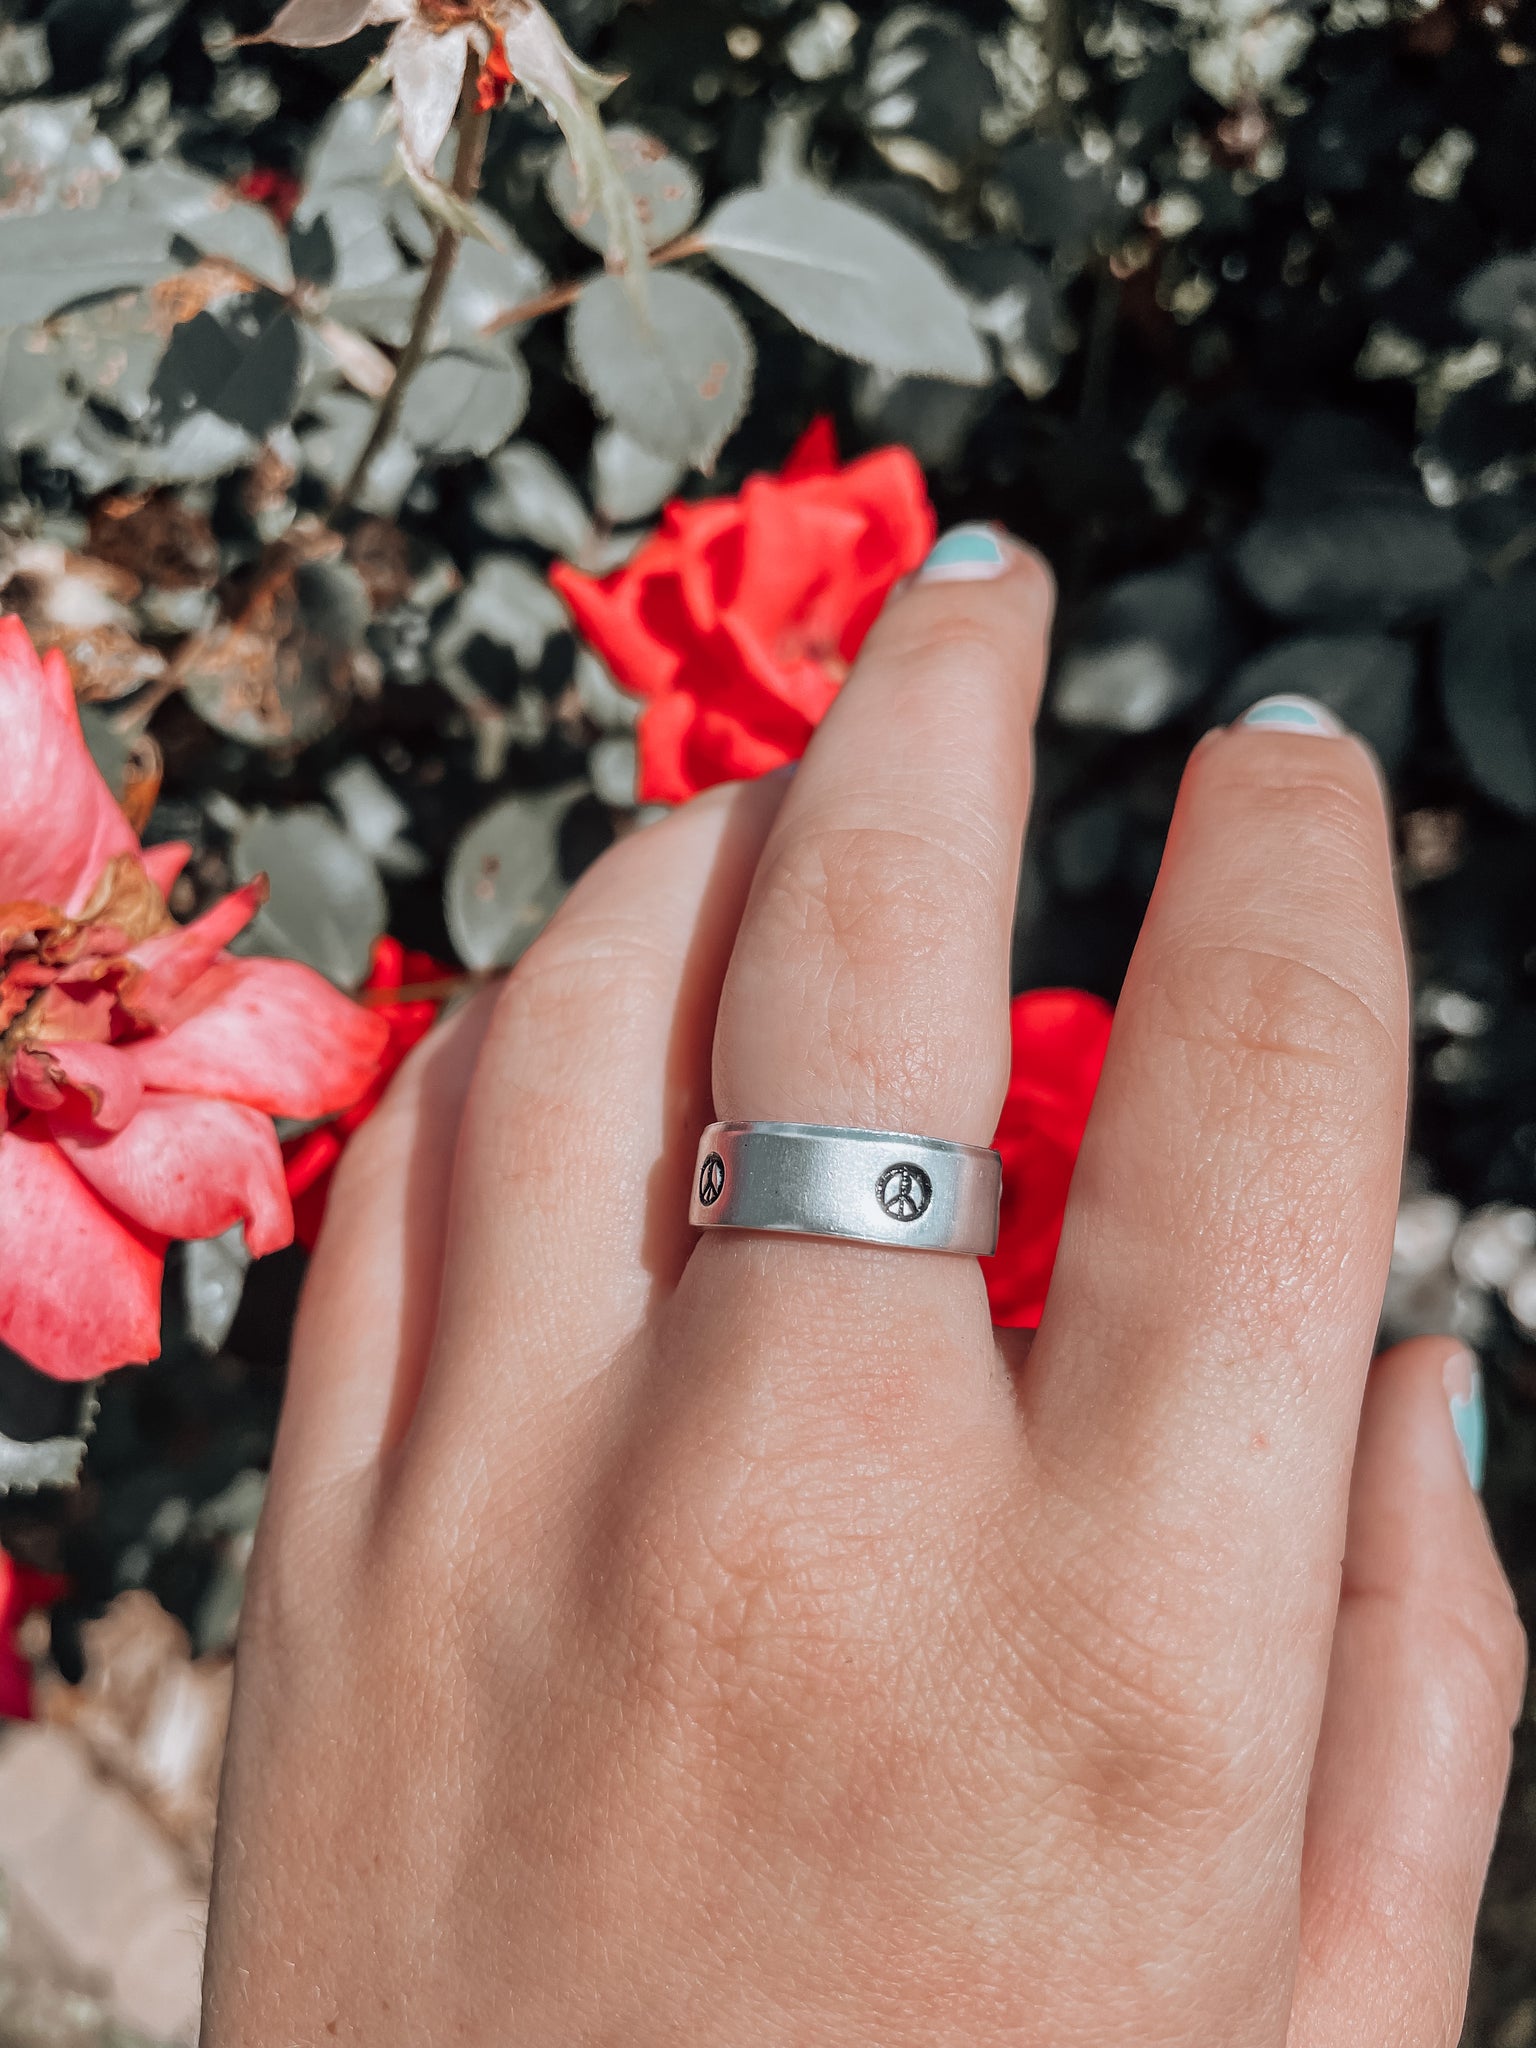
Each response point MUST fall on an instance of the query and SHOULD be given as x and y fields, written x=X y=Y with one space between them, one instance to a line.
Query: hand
x=734 y=1641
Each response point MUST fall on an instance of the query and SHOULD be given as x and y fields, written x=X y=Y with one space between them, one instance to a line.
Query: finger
x=1224 y=1253
x=869 y=981
x=370 y=1298
x=1426 y=1681
x=570 y=1201
x=869 y=987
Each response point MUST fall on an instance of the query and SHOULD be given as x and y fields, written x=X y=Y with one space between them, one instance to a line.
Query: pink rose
x=140 y=1064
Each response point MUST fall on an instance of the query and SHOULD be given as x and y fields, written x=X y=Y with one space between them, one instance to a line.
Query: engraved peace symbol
x=711 y=1180
x=904 y=1192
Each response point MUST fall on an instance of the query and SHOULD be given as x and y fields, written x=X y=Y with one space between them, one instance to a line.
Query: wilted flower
x=1059 y=1040
x=738 y=619
x=140 y=1064
x=429 y=52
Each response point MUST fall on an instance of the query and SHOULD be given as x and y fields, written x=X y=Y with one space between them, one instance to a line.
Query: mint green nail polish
x=966 y=554
x=1469 y=1416
x=1292 y=714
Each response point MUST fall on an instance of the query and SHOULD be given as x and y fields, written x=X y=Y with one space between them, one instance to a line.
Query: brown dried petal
x=106 y=662
x=380 y=554
x=315 y=24
x=156 y=537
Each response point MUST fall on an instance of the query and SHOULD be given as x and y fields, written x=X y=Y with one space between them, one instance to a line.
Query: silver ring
x=873 y=1187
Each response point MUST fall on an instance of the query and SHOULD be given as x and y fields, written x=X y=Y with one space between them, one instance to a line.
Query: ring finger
x=869 y=983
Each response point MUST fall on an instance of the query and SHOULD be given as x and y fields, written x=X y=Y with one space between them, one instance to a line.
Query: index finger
x=1215 y=1301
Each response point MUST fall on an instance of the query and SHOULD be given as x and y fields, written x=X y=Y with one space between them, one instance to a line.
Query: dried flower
x=430 y=49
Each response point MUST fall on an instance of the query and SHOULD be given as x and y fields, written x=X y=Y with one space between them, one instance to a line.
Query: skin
x=663 y=1638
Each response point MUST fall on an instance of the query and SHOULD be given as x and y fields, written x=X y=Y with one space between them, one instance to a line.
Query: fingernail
x=1293 y=714
x=966 y=554
x=1464 y=1390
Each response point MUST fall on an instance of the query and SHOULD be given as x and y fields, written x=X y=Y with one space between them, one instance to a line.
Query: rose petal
x=79 y=1286
x=174 y=962
x=814 y=454
x=738 y=619
x=190 y=1167
x=315 y=24
x=59 y=823
x=426 y=68
x=97 y=1084
x=165 y=862
x=277 y=1037
x=1059 y=1041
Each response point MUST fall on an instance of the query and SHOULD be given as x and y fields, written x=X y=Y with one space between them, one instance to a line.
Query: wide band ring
x=872 y=1187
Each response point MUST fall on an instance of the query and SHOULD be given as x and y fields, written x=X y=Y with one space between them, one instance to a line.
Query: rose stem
x=471 y=126
x=558 y=295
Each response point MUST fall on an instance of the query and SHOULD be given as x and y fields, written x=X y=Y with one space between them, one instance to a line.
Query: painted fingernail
x=1469 y=1417
x=966 y=554
x=1293 y=714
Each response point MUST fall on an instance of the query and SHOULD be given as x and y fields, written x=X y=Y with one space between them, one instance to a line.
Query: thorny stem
x=472 y=127
x=555 y=296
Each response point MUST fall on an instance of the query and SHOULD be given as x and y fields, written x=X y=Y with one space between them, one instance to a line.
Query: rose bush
x=141 y=1064
x=738 y=620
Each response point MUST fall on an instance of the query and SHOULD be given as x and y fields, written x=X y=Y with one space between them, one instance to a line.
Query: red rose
x=275 y=190
x=1059 y=1040
x=22 y=1590
x=739 y=618
x=310 y=1161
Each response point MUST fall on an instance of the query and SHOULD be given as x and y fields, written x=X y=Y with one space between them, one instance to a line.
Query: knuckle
x=855 y=891
x=733 y=1610
x=1154 y=1719
x=1335 y=801
x=1498 y=1649
x=579 y=966
x=870 y=920
x=1287 y=1032
x=958 y=647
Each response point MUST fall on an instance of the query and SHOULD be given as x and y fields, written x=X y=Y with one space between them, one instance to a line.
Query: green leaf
x=465 y=402
x=529 y=496
x=243 y=368
x=570 y=92
x=355 y=147
x=849 y=280
x=490 y=277
x=327 y=904
x=663 y=190
x=678 y=382
x=34 y=401
x=213 y=1271
x=216 y=223
x=51 y=155
x=52 y=260
x=503 y=883
x=629 y=481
